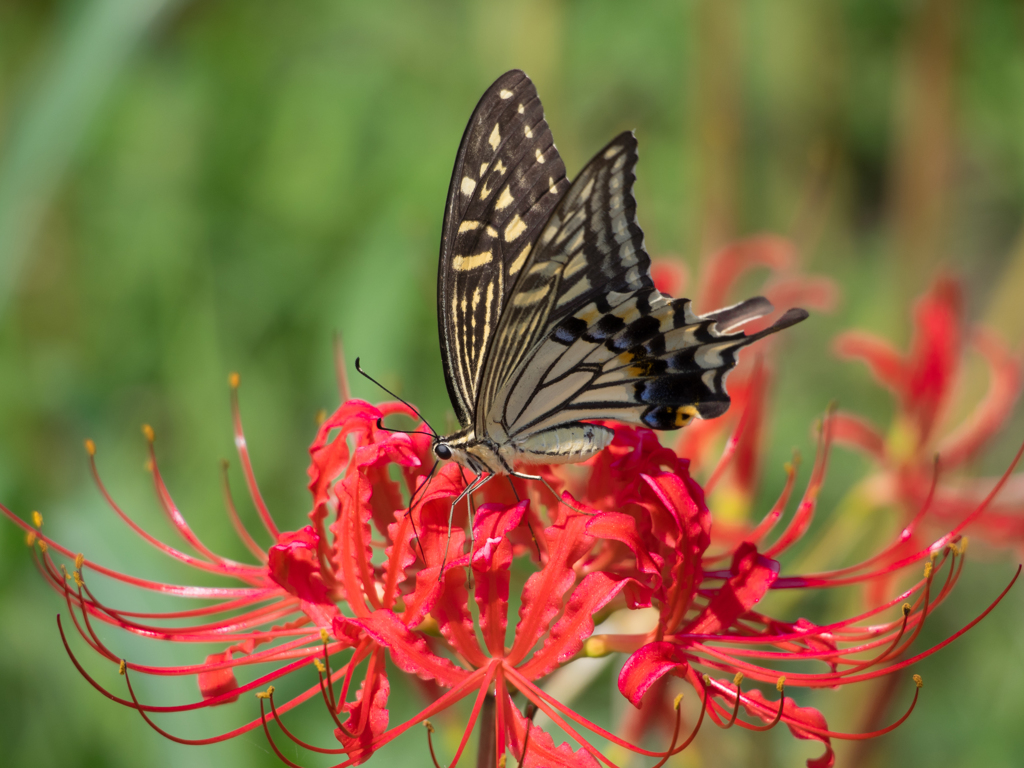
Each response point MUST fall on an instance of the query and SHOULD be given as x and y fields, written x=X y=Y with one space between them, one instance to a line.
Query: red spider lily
x=381 y=579
x=923 y=382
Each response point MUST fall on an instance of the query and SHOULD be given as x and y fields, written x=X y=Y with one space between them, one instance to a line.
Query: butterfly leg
x=547 y=485
x=475 y=484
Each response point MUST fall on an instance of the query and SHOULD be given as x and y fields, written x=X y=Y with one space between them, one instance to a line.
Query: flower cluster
x=380 y=579
x=399 y=571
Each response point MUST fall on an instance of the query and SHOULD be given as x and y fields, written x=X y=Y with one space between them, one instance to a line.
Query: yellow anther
x=963 y=545
x=323 y=635
x=42 y=546
x=37 y=519
x=677 y=702
x=319 y=666
x=79 y=561
x=90 y=447
x=918 y=681
x=148 y=465
x=121 y=667
x=30 y=538
x=707 y=679
x=906 y=609
x=501 y=762
x=428 y=726
x=234 y=380
x=928 y=570
x=78 y=579
x=321 y=416
x=780 y=684
x=265 y=694
x=788 y=468
x=64 y=571
x=738 y=679
x=595 y=647
x=148 y=432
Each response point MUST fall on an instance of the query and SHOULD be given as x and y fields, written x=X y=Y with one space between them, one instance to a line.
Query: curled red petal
x=753 y=574
x=885 y=362
x=621 y=527
x=853 y=431
x=1005 y=373
x=726 y=266
x=647 y=666
x=218 y=682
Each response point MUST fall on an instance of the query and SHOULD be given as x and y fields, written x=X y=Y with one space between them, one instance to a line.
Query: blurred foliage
x=195 y=187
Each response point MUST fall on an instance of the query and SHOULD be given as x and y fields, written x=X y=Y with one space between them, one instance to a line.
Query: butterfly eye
x=442 y=451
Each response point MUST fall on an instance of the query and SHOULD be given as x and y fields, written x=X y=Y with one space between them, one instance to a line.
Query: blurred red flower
x=923 y=382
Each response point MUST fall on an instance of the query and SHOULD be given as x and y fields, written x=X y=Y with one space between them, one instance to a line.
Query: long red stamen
x=296 y=739
x=266 y=729
x=430 y=743
x=236 y=521
x=781 y=688
x=243 y=456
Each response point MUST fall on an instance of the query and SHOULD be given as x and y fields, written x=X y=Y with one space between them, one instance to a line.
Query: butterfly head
x=466 y=450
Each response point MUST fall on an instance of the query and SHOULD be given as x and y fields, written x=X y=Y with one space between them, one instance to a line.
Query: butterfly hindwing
x=508 y=178
x=591 y=249
x=660 y=369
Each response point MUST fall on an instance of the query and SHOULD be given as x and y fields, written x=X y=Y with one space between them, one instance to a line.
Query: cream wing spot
x=520 y=260
x=539 y=155
x=612 y=152
x=495 y=138
x=528 y=131
x=491 y=231
x=505 y=200
x=468 y=185
x=468 y=226
x=483 y=169
x=505 y=94
x=515 y=228
x=521 y=109
x=467 y=263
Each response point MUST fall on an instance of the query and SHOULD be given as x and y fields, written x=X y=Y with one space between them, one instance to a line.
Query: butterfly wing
x=508 y=178
x=591 y=247
x=587 y=336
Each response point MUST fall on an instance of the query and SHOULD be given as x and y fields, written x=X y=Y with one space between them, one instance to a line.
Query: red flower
x=379 y=580
x=923 y=381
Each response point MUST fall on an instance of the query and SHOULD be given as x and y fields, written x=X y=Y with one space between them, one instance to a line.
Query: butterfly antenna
x=399 y=399
x=412 y=503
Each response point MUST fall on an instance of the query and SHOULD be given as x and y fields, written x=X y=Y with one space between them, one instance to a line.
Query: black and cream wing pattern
x=566 y=326
x=508 y=178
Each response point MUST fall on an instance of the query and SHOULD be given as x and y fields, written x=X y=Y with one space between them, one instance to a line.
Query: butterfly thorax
x=476 y=454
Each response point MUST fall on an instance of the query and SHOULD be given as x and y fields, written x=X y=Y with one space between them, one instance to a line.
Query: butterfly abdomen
x=565 y=444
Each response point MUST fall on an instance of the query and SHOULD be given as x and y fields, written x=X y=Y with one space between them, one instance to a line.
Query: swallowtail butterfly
x=547 y=313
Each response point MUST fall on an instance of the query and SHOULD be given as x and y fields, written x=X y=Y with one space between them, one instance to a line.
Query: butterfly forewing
x=508 y=178
x=590 y=252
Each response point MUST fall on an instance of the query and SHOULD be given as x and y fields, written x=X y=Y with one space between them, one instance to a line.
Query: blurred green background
x=193 y=187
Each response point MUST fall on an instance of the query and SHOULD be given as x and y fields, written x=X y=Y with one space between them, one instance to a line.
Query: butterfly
x=548 y=317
